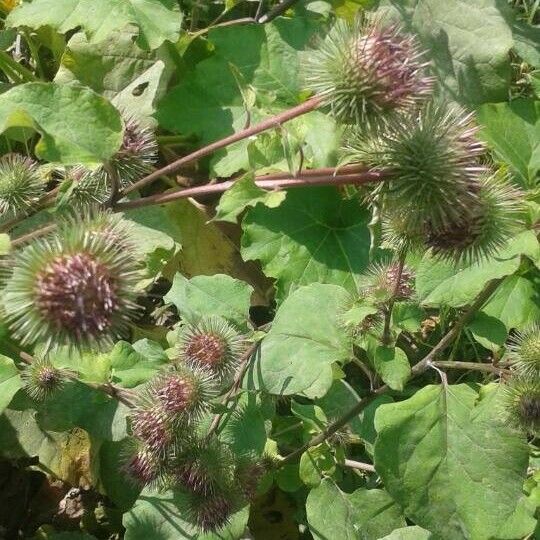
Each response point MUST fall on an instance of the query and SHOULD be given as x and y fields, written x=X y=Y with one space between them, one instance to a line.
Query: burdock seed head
x=76 y=288
x=41 y=379
x=431 y=156
x=152 y=426
x=380 y=282
x=20 y=185
x=524 y=351
x=522 y=403
x=212 y=344
x=210 y=512
x=204 y=467
x=142 y=465
x=492 y=217
x=136 y=155
x=248 y=474
x=183 y=393
x=365 y=69
x=83 y=188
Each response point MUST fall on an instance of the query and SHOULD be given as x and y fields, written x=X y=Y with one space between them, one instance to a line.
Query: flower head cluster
x=522 y=403
x=85 y=188
x=525 y=351
x=384 y=281
x=438 y=194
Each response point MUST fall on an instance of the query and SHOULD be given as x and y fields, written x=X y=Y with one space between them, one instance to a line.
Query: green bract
x=432 y=155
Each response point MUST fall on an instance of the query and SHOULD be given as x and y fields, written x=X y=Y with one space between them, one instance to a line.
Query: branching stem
x=419 y=368
x=272 y=184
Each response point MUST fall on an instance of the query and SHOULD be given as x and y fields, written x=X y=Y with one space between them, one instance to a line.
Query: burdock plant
x=20 y=185
x=492 y=217
x=183 y=393
x=367 y=69
x=380 y=282
x=136 y=156
x=75 y=288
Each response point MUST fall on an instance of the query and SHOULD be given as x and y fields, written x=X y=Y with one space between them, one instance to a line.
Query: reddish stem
x=280 y=183
x=274 y=121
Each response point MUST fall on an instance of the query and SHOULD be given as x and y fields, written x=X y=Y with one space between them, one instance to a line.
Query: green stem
x=34 y=51
x=15 y=71
x=386 y=337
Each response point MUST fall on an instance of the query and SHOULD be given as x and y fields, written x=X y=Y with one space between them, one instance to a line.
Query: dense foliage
x=269 y=269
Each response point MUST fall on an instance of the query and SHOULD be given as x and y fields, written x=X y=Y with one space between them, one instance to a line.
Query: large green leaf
x=313 y=236
x=443 y=283
x=132 y=78
x=66 y=455
x=157 y=20
x=131 y=367
x=254 y=72
x=516 y=302
x=158 y=236
x=305 y=340
x=219 y=295
x=10 y=381
x=392 y=365
x=76 y=124
x=338 y=400
x=163 y=516
x=112 y=460
x=468 y=43
x=513 y=131
x=78 y=405
x=452 y=464
x=362 y=515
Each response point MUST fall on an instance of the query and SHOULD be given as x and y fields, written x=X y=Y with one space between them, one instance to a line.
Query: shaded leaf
x=513 y=131
x=515 y=302
x=313 y=236
x=364 y=514
x=393 y=366
x=10 y=381
x=219 y=295
x=161 y=516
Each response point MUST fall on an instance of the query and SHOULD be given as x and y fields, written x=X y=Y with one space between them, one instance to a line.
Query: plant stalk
x=274 y=121
x=279 y=183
